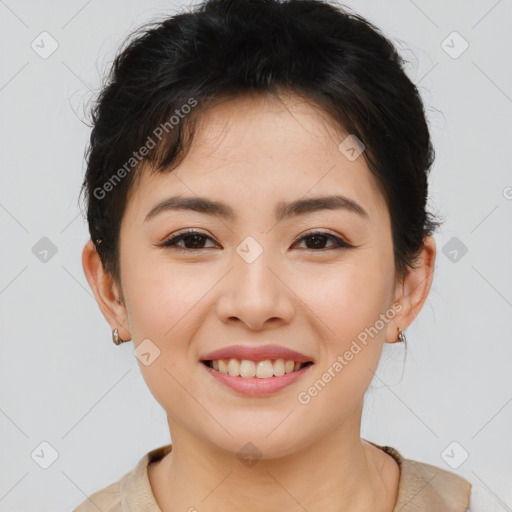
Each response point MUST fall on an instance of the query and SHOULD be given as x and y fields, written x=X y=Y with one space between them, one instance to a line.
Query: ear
x=413 y=291
x=105 y=290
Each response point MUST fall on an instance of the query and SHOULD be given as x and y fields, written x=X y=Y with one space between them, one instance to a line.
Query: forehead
x=254 y=151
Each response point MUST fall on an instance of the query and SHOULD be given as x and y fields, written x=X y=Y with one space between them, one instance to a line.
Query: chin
x=255 y=443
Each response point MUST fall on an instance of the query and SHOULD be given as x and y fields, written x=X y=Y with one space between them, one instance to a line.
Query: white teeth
x=234 y=367
x=278 y=367
x=260 y=369
x=247 y=368
x=264 y=369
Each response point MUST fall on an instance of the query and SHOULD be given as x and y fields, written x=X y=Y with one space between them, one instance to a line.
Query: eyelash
x=171 y=242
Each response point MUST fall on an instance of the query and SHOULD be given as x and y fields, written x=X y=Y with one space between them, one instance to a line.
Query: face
x=312 y=280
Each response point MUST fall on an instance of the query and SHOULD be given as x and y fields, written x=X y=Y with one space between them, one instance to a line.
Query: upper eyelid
x=194 y=231
x=314 y=231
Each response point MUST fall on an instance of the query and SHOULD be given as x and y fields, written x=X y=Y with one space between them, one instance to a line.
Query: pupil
x=318 y=238
x=195 y=238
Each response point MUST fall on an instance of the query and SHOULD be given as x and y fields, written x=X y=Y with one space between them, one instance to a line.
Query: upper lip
x=256 y=353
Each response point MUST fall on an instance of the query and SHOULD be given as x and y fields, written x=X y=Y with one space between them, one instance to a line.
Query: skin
x=252 y=153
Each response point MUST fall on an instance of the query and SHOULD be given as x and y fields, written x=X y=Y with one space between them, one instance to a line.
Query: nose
x=256 y=294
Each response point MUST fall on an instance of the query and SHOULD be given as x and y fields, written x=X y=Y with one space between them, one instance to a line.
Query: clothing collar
x=422 y=487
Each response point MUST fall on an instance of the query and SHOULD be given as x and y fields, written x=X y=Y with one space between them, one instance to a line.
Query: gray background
x=64 y=382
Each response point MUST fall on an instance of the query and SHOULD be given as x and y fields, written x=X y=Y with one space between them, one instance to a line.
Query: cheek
x=166 y=309
x=346 y=298
x=165 y=299
x=167 y=306
x=350 y=303
x=359 y=312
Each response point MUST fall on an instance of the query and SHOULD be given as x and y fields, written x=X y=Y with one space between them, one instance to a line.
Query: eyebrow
x=283 y=210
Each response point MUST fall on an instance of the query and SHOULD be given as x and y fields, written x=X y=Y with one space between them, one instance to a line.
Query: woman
x=256 y=198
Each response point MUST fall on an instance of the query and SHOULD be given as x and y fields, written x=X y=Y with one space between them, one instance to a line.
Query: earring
x=401 y=336
x=116 y=339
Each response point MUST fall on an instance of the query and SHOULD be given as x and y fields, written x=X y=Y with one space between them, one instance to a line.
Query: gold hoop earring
x=401 y=336
x=116 y=338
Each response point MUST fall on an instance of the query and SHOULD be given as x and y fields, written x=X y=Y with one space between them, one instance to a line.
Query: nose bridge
x=254 y=292
x=253 y=276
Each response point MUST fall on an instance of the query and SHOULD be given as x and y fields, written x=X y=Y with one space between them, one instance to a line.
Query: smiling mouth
x=246 y=368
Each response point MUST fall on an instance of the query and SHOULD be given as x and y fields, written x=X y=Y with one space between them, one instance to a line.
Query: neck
x=338 y=472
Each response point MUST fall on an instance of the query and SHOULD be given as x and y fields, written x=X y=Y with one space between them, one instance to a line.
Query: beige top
x=422 y=487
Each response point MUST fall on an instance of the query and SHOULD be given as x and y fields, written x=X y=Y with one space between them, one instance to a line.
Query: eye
x=194 y=240
x=318 y=241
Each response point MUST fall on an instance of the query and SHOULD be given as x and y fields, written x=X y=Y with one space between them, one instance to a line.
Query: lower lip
x=252 y=386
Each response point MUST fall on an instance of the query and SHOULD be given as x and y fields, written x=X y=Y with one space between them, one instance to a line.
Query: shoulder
x=106 y=500
x=132 y=492
x=423 y=486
